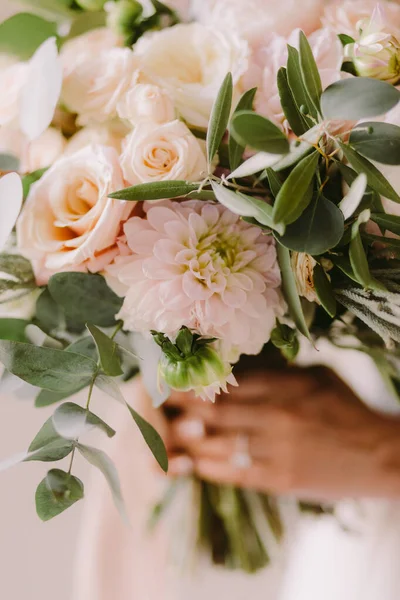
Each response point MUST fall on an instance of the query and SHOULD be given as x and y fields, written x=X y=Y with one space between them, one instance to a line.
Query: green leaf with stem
x=374 y=177
x=219 y=118
x=108 y=351
x=70 y=421
x=324 y=291
x=249 y=128
x=294 y=195
x=235 y=149
x=297 y=87
x=290 y=292
x=289 y=105
x=57 y=492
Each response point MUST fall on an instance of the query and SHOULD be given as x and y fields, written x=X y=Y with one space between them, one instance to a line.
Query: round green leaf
x=23 y=33
x=251 y=129
x=319 y=228
x=377 y=141
x=57 y=492
x=358 y=98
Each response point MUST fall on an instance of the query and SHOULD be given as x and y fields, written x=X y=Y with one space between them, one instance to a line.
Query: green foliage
x=235 y=149
x=285 y=338
x=57 y=492
x=23 y=33
x=352 y=200
x=156 y=190
x=110 y=361
x=70 y=420
x=319 y=228
x=30 y=179
x=358 y=98
x=310 y=73
x=152 y=439
x=85 y=298
x=251 y=129
x=377 y=141
x=51 y=369
x=296 y=191
x=297 y=86
x=289 y=105
x=18 y=276
x=13 y=329
x=374 y=177
x=219 y=117
x=324 y=291
x=49 y=314
x=387 y=222
x=290 y=292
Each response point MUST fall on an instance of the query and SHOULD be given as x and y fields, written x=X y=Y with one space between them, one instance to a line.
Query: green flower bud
x=123 y=15
x=192 y=363
x=377 y=52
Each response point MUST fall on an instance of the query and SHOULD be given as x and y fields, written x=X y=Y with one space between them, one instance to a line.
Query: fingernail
x=181 y=465
x=191 y=429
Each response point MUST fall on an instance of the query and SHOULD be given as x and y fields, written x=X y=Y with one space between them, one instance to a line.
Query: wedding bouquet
x=209 y=186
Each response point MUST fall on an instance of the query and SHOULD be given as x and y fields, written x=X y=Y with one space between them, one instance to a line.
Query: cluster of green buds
x=193 y=364
x=129 y=19
x=376 y=54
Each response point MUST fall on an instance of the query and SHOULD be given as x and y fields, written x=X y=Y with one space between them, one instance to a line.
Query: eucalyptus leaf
x=51 y=369
x=294 y=195
x=56 y=450
x=46 y=435
x=374 y=177
x=57 y=492
x=290 y=292
x=110 y=360
x=249 y=128
x=324 y=291
x=219 y=117
x=319 y=228
x=85 y=297
x=354 y=196
x=99 y=459
x=13 y=329
x=46 y=398
x=71 y=420
x=377 y=141
x=386 y=222
x=309 y=72
x=49 y=314
x=236 y=150
x=156 y=190
x=23 y=33
x=358 y=98
x=288 y=103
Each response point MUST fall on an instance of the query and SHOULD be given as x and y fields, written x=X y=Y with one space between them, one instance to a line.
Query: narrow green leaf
x=85 y=297
x=375 y=178
x=377 y=141
x=57 y=492
x=71 y=420
x=249 y=128
x=354 y=196
x=358 y=98
x=296 y=85
x=23 y=33
x=13 y=329
x=236 y=150
x=320 y=228
x=294 y=195
x=256 y=163
x=99 y=459
x=387 y=222
x=152 y=439
x=289 y=106
x=324 y=291
x=358 y=258
x=110 y=360
x=219 y=117
x=289 y=289
x=47 y=368
x=309 y=72
x=346 y=39
x=156 y=190
x=274 y=182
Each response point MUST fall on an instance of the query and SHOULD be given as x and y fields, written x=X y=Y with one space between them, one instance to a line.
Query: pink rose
x=343 y=16
x=68 y=221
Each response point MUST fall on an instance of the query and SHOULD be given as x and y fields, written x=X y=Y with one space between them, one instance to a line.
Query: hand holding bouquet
x=160 y=203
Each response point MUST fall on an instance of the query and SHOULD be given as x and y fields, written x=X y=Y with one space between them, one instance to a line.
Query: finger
x=225 y=417
x=180 y=465
x=223 y=447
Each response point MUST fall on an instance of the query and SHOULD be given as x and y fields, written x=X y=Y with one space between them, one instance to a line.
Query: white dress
x=352 y=556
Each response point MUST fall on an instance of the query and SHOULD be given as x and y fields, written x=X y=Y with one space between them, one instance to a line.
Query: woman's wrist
x=387 y=455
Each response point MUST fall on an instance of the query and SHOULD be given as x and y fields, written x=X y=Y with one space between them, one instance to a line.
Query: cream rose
x=343 y=16
x=13 y=76
x=190 y=62
x=84 y=47
x=68 y=221
x=253 y=20
x=146 y=102
x=101 y=134
x=303 y=267
x=95 y=86
x=158 y=152
x=38 y=154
